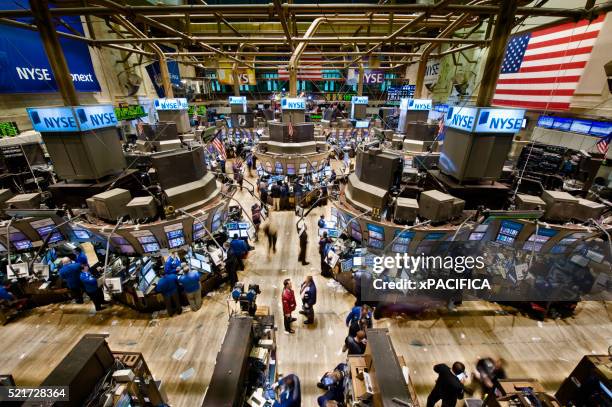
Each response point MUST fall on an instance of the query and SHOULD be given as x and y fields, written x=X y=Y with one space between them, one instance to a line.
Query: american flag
x=218 y=144
x=604 y=143
x=541 y=69
x=309 y=69
x=290 y=130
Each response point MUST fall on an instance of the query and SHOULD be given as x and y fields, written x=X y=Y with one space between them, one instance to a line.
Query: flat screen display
x=81 y=234
x=22 y=244
x=150 y=247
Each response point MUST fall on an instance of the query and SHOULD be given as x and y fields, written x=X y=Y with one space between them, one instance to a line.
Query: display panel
x=356 y=231
x=429 y=242
x=303 y=168
x=402 y=241
x=536 y=241
x=290 y=169
x=44 y=227
x=22 y=244
x=81 y=233
x=198 y=230
x=376 y=236
x=147 y=240
x=508 y=232
x=217 y=219
x=478 y=232
x=278 y=167
x=175 y=235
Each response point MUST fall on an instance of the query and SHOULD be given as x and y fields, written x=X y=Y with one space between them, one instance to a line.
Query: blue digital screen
x=546 y=121
x=562 y=123
x=23 y=244
x=81 y=234
x=150 y=247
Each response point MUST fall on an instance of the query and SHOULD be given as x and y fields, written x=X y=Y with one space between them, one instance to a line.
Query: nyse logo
x=293 y=104
x=419 y=104
x=500 y=121
x=463 y=119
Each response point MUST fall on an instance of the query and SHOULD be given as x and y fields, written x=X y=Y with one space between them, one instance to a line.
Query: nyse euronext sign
x=72 y=118
x=415 y=104
x=484 y=120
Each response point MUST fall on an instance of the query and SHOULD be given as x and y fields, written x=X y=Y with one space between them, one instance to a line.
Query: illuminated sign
x=484 y=120
x=129 y=112
x=171 y=104
x=416 y=104
x=462 y=118
x=591 y=127
x=499 y=120
x=72 y=118
x=359 y=100
x=293 y=104
x=237 y=100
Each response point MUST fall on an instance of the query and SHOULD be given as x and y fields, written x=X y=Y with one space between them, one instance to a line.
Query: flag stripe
x=561 y=47
x=542 y=86
x=556 y=54
x=557 y=67
x=563 y=40
x=553 y=61
x=534 y=98
x=569 y=26
x=531 y=105
x=535 y=92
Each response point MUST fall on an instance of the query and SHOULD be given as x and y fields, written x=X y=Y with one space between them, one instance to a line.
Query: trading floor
x=547 y=351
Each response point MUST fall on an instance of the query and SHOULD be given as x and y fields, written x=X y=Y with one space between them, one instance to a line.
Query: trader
x=81 y=258
x=90 y=283
x=290 y=395
x=190 y=281
x=168 y=287
x=172 y=263
x=449 y=386
x=288 y=299
x=70 y=272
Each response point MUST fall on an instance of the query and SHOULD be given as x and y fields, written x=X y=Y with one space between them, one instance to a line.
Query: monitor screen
x=147 y=239
x=362 y=124
x=81 y=234
x=17 y=236
x=56 y=237
x=290 y=169
x=150 y=247
x=22 y=244
x=177 y=242
x=126 y=248
x=200 y=257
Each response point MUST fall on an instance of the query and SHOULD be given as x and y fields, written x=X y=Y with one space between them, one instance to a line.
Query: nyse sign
x=293 y=104
x=237 y=100
x=359 y=100
x=499 y=120
x=72 y=118
x=415 y=104
x=171 y=104
x=485 y=120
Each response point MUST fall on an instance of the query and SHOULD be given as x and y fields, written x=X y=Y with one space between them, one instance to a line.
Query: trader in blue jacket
x=172 y=264
x=168 y=287
x=190 y=281
x=90 y=283
x=70 y=272
x=81 y=258
x=290 y=395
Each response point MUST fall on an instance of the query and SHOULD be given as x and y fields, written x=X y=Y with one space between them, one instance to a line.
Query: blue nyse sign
x=72 y=118
x=171 y=104
x=237 y=100
x=293 y=104
x=499 y=120
x=484 y=120
x=24 y=67
x=460 y=117
x=359 y=100
x=417 y=104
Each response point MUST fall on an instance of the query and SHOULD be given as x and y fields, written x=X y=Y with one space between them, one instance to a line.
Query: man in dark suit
x=449 y=386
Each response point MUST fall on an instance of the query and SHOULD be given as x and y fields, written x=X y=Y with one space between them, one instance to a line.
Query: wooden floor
x=35 y=343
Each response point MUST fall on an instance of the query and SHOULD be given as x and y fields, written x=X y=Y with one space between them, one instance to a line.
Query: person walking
x=308 y=292
x=324 y=246
x=290 y=392
x=256 y=216
x=289 y=305
x=449 y=385
x=271 y=232
x=190 y=281
x=303 y=247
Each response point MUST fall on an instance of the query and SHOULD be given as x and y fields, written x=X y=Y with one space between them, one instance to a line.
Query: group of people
x=77 y=276
x=308 y=296
x=174 y=277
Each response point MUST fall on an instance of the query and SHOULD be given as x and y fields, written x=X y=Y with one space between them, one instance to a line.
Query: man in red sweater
x=288 y=305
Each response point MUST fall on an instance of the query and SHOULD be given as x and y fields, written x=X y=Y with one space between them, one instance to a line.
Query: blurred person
x=290 y=391
x=303 y=247
x=167 y=286
x=190 y=281
x=356 y=345
x=449 y=386
x=70 y=272
x=308 y=293
x=271 y=231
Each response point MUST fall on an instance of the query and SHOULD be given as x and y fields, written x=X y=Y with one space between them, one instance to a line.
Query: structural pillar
x=418 y=89
x=165 y=74
x=360 y=80
x=236 y=81
x=292 y=81
x=497 y=47
x=55 y=54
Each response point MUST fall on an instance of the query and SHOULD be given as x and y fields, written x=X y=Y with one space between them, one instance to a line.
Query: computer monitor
x=195 y=263
x=114 y=285
x=22 y=244
x=20 y=270
x=150 y=247
x=362 y=124
x=41 y=270
x=81 y=234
